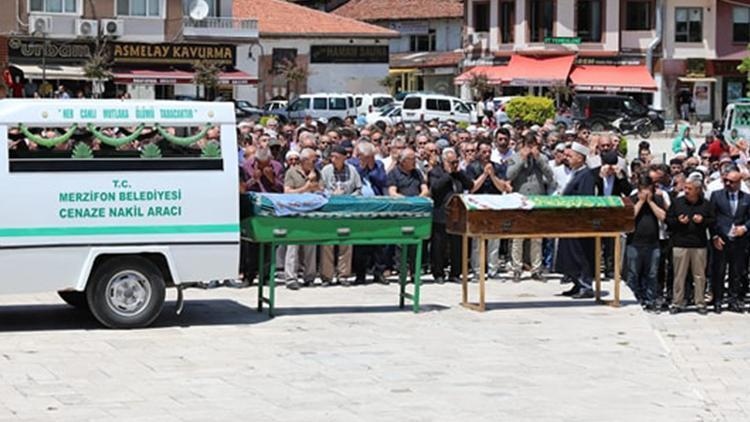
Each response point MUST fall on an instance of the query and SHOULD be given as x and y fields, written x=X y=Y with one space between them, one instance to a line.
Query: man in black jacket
x=730 y=240
x=445 y=181
x=688 y=219
x=610 y=181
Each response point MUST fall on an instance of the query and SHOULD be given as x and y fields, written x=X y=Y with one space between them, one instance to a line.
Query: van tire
x=126 y=292
x=74 y=299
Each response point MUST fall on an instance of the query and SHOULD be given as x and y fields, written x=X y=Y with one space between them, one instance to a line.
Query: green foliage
x=82 y=151
x=390 y=82
x=97 y=68
x=206 y=74
x=211 y=150
x=479 y=84
x=151 y=152
x=744 y=67
x=532 y=110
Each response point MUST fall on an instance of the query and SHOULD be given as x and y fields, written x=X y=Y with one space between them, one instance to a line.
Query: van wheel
x=645 y=132
x=126 y=292
x=74 y=299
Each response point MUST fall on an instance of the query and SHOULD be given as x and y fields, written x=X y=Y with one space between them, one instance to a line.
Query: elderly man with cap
x=301 y=177
x=689 y=219
x=339 y=178
x=575 y=257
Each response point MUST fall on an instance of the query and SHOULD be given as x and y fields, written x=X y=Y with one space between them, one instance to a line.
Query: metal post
x=44 y=58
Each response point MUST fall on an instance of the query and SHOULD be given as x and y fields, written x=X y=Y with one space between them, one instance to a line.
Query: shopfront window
x=423 y=42
x=482 y=17
x=589 y=20
x=541 y=19
x=638 y=15
x=507 y=21
x=741 y=24
x=54 y=6
x=688 y=24
x=150 y=8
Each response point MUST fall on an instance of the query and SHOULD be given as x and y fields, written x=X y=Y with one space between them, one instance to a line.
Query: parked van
x=110 y=202
x=426 y=107
x=334 y=107
x=737 y=120
x=370 y=103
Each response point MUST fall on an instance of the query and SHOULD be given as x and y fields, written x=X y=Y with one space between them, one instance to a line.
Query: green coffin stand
x=342 y=220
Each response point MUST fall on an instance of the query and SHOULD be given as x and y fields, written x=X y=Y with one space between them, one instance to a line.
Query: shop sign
x=32 y=50
x=411 y=27
x=535 y=82
x=349 y=54
x=607 y=61
x=562 y=40
x=173 y=54
x=723 y=68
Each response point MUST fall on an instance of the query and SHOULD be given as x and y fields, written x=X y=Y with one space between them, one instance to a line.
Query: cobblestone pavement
x=348 y=354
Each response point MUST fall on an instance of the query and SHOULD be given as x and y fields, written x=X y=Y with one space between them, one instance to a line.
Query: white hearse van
x=109 y=202
x=737 y=120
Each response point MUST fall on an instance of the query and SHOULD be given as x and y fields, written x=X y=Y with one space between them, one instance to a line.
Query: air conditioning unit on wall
x=113 y=27
x=87 y=28
x=40 y=24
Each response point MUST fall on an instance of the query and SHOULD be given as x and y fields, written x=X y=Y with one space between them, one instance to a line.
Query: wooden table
x=489 y=224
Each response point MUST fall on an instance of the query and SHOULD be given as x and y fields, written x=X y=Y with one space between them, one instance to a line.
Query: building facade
x=151 y=45
x=426 y=54
x=677 y=42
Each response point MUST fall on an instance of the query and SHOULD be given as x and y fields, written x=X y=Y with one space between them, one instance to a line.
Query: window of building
x=507 y=21
x=150 y=8
x=589 y=20
x=741 y=24
x=482 y=17
x=423 y=42
x=638 y=15
x=54 y=6
x=541 y=19
x=688 y=24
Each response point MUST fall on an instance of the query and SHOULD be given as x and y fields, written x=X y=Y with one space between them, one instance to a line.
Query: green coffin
x=343 y=220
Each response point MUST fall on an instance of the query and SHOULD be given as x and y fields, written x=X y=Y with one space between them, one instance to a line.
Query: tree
x=390 y=82
x=207 y=76
x=294 y=75
x=561 y=93
x=480 y=85
x=97 y=69
x=744 y=67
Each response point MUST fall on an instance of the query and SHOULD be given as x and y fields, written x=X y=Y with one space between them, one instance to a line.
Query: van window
x=432 y=104
x=320 y=103
x=378 y=102
x=461 y=108
x=413 y=103
x=337 y=103
x=300 y=104
x=730 y=120
x=444 y=105
x=358 y=101
x=350 y=101
x=89 y=148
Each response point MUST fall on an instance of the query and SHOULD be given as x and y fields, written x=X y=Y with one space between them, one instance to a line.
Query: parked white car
x=275 y=105
x=390 y=115
x=334 y=107
x=370 y=103
x=426 y=107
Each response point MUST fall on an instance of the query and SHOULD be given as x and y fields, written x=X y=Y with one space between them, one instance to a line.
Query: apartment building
x=427 y=53
x=655 y=50
x=151 y=44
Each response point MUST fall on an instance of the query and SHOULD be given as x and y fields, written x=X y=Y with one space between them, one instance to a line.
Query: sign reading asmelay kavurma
x=143 y=53
x=349 y=54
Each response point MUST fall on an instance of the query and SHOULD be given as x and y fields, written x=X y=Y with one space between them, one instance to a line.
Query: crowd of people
x=692 y=212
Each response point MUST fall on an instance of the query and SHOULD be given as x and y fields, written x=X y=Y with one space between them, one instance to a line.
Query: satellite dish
x=199 y=10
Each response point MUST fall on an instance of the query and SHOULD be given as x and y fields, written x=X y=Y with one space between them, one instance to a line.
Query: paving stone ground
x=349 y=354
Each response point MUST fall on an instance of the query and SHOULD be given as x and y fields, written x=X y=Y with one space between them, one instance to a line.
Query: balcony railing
x=220 y=27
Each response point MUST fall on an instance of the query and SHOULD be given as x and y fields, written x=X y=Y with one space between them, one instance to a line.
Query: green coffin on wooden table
x=278 y=219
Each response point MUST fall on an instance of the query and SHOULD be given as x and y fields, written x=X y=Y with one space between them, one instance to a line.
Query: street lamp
x=262 y=93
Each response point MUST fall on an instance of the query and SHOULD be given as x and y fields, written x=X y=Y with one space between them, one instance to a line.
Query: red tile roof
x=374 y=10
x=281 y=18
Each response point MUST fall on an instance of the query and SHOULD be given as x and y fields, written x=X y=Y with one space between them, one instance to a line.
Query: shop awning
x=51 y=72
x=401 y=71
x=494 y=74
x=612 y=78
x=538 y=71
x=177 y=77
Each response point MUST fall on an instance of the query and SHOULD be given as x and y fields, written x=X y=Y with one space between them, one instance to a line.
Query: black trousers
x=734 y=256
x=249 y=254
x=444 y=245
x=369 y=256
x=666 y=272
